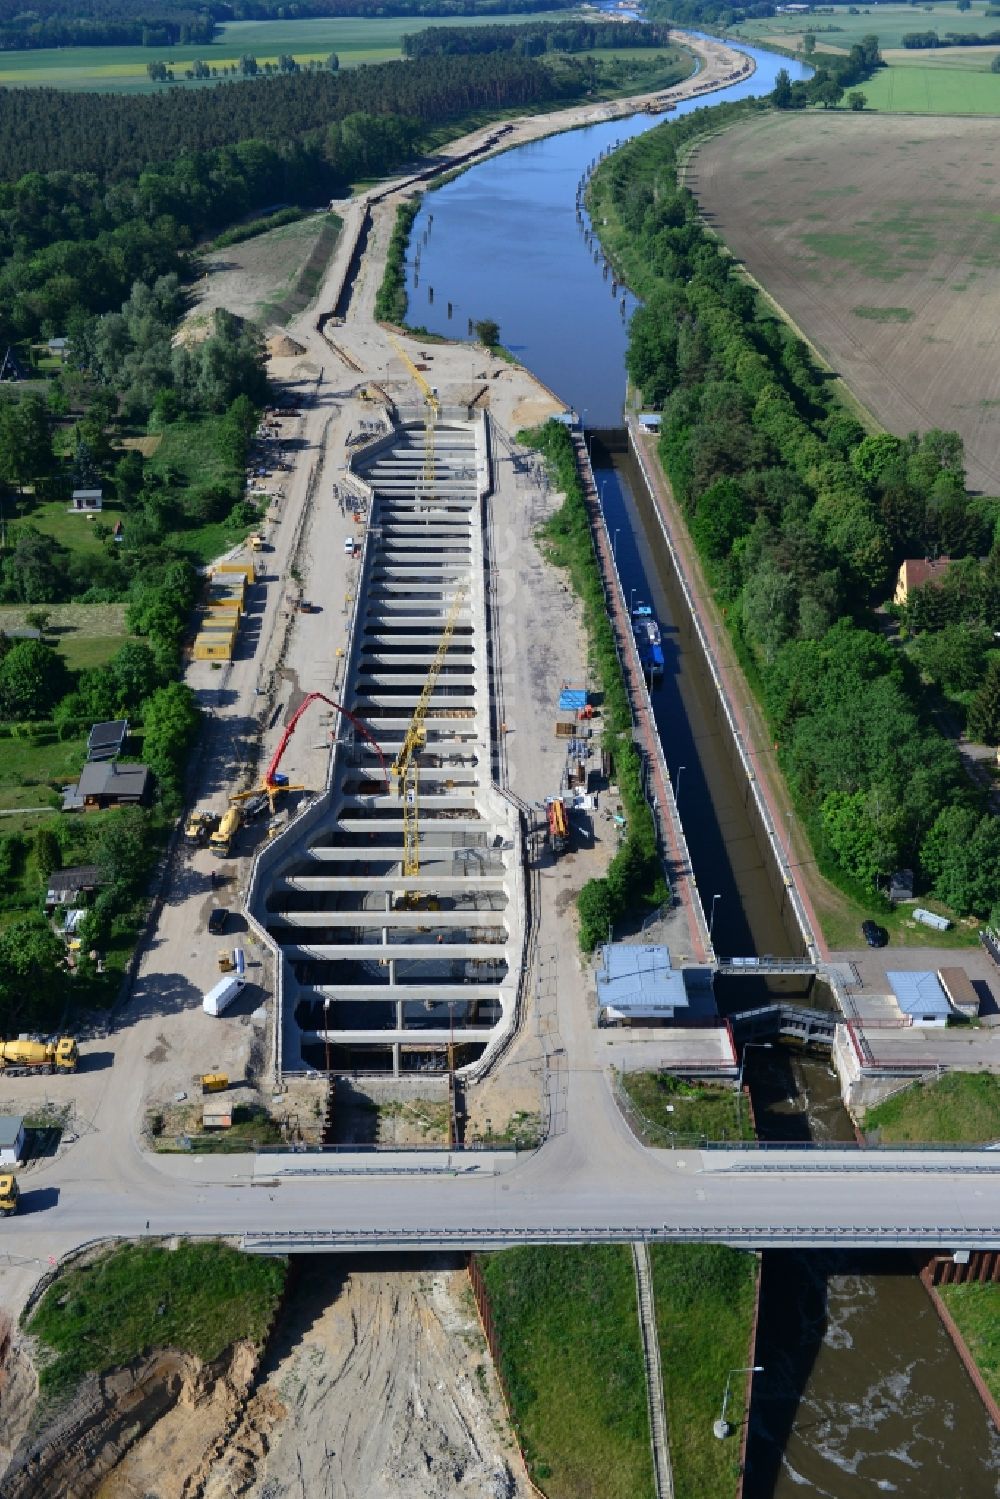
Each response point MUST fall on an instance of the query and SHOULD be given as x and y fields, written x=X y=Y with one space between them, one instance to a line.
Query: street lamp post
x=677 y=784
x=762 y=1046
x=721 y=1428
x=631 y=601
x=614 y=546
x=711 y=919
x=326 y=1034
x=604 y=485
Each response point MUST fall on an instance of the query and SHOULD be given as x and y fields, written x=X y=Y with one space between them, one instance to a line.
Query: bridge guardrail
x=755 y=1236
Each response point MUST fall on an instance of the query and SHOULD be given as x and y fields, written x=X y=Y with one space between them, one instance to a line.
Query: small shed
x=105 y=740
x=901 y=886
x=650 y=421
x=57 y=347
x=957 y=985
x=107 y=784
x=87 y=501
x=217 y=1113
x=920 y=997
x=636 y=982
x=64 y=887
x=11 y=1139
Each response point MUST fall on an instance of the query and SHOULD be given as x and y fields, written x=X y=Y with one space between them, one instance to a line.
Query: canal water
x=502 y=241
x=862 y=1393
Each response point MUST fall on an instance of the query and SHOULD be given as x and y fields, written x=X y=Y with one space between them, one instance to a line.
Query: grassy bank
x=670 y=1110
x=704 y=1311
x=635 y=876
x=198 y=1298
x=961 y=1108
x=571 y=1356
x=976 y=1310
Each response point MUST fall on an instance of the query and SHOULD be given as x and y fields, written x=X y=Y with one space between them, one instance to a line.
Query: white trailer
x=225 y=991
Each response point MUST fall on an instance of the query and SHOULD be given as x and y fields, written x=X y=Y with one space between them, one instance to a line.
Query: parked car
x=217 y=920
x=874 y=935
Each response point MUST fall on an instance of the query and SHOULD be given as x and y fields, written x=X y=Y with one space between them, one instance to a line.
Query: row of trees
x=832 y=77
x=801 y=519
x=534 y=40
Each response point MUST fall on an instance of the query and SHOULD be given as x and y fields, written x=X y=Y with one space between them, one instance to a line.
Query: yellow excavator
x=23 y=1057
x=10 y=1194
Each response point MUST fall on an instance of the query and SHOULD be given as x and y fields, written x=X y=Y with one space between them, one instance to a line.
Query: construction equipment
x=220 y=842
x=272 y=782
x=227 y=960
x=256 y=541
x=558 y=825
x=404 y=767
x=199 y=825
x=432 y=410
x=9 y=1194
x=214 y=1082
x=29 y=1055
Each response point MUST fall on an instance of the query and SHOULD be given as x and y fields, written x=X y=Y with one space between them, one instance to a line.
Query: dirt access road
x=875 y=235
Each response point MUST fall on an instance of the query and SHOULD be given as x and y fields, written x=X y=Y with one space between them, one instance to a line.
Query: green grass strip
x=198 y=1298
x=635 y=875
x=571 y=1357
x=959 y=1108
x=704 y=1297
x=976 y=1310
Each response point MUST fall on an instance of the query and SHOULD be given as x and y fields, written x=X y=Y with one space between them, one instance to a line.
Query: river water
x=862 y=1393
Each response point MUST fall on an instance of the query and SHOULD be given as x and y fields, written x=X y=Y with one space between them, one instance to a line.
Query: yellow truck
x=199 y=825
x=221 y=840
x=214 y=1082
x=25 y=1056
x=9 y=1194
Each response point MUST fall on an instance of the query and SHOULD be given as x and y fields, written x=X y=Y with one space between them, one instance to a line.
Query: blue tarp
x=572 y=699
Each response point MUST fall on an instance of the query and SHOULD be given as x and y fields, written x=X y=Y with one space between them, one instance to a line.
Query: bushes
x=390 y=304
x=635 y=875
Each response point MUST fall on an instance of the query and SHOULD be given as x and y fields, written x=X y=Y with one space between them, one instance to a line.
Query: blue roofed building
x=921 y=998
x=637 y=983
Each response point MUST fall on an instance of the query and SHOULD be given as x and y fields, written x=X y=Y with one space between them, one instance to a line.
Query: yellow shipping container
x=213 y=648
x=225 y=570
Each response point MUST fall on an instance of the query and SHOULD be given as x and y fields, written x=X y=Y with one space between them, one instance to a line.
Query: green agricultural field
x=976 y=1309
x=890 y=23
x=123 y=69
x=571 y=1355
x=704 y=1296
x=961 y=1108
x=933 y=90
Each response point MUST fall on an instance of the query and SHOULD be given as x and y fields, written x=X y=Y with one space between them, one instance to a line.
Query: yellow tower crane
x=432 y=410
x=404 y=768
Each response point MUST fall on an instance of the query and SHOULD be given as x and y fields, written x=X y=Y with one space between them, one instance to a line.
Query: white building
x=11 y=1139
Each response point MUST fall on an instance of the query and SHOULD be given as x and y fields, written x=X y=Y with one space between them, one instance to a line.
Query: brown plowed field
x=880 y=238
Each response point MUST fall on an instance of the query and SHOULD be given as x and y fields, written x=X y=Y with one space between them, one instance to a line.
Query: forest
x=802 y=518
x=116 y=136
x=160 y=23
x=96 y=174
x=535 y=39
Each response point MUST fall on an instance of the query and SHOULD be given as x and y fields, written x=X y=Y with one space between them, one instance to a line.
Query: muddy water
x=862 y=1392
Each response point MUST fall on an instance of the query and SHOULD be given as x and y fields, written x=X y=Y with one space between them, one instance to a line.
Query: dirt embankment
x=376 y=1382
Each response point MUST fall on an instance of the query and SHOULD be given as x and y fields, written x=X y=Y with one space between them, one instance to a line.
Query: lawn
x=198 y=1298
x=123 y=69
x=935 y=90
x=72 y=529
x=976 y=1309
x=29 y=769
x=84 y=634
x=571 y=1356
x=671 y=1109
x=960 y=1108
x=704 y=1310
